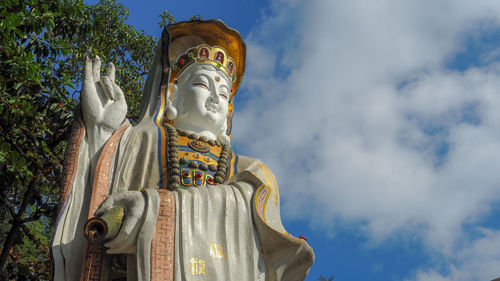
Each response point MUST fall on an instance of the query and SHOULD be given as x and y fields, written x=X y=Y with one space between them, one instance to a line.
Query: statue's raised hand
x=103 y=103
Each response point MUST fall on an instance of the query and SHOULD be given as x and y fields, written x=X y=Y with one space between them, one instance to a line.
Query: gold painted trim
x=231 y=164
x=163 y=137
x=274 y=181
x=264 y=171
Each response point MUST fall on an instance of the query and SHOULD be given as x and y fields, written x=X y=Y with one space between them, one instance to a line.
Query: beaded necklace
x=199 y=144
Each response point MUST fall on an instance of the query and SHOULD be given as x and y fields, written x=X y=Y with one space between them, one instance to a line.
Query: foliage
x=43 y=44
x=322 y=278
x=197 y=17
x=166 y=19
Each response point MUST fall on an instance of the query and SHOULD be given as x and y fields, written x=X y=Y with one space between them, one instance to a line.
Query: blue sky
x=380 y=120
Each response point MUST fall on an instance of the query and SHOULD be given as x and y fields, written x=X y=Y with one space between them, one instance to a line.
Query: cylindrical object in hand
x=105 y=227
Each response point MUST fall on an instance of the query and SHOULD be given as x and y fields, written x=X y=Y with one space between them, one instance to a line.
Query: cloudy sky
x=380 y=121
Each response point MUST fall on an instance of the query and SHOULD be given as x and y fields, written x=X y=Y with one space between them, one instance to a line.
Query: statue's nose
x=214 y=97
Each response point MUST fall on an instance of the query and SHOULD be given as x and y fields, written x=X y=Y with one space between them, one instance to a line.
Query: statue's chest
x=194 y=161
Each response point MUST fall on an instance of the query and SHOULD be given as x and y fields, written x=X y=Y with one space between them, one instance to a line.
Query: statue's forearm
x=97 y=137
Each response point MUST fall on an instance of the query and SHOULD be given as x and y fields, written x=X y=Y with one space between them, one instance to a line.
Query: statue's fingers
x=105 y=206
x=111 y=72
x=127 y=234
x=108 y=87
x=87 y=70
x=96 y=69
x=119 y=96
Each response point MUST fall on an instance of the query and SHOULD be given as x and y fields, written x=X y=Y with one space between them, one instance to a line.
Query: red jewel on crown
x=185 y=174
x=210 y=180
x=181 y=60
x=198 y=176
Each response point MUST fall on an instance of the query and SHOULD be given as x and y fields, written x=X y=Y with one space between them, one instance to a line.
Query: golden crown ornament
x=214 y=55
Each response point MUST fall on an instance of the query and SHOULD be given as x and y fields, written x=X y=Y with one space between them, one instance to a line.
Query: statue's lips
x=212 y=107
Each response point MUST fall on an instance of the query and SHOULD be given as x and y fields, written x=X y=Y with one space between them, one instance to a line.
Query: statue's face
x=202 y=98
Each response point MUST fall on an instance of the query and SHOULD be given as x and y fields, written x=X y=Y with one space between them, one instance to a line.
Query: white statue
x=192 y=209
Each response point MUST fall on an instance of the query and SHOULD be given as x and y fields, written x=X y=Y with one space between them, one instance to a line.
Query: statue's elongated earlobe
x=171 y=109
x=222 y=136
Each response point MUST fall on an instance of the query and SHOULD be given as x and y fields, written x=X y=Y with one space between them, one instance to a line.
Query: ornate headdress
x=210 y=42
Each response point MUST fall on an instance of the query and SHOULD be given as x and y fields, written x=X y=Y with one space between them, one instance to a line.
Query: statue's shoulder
x=250 y=163
x=244 y=162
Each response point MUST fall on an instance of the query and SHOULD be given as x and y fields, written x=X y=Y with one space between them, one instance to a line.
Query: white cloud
x=353 y=108
x=479 y=261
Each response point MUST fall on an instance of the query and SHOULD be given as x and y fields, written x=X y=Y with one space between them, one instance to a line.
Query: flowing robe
x=229 y=231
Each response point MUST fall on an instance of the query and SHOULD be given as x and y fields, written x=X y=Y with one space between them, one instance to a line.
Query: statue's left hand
x=134 y=204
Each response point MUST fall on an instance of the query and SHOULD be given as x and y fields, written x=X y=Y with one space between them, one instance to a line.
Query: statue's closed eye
x=201 y=81
x=201 y=84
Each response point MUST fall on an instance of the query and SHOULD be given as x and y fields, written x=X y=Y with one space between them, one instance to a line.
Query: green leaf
x=13 y=155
